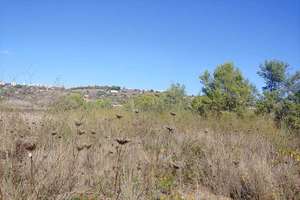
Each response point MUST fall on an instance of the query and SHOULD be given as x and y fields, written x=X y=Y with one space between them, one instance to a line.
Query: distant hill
x=39 y=97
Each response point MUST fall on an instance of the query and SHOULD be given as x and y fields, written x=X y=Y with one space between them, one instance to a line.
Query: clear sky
x=143 y=43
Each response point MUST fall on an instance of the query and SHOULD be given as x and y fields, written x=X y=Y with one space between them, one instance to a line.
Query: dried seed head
x=29 y=146
x=173 y=114
x=78 y=123
x=54 y=133
x=175 y=166
x=88 y=146
x=236 y=163
x=122 y=141
x=30 y=155
x=110 y=152
x=119 y=116
x=3 y=155
x=80 y=147
x=80 y=132
x=170 y=129
x=93 y=132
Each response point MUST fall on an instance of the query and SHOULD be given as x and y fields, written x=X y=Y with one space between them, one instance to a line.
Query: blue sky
x=143 y=43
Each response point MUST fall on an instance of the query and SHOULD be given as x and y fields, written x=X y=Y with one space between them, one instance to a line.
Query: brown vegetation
x=135 y=157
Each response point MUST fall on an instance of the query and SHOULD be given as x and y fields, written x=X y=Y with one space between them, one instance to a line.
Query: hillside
x=40 y=97
x=154 y=147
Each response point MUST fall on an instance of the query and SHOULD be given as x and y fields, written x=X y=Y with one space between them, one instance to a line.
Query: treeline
x=227 y=90
x=224 y=91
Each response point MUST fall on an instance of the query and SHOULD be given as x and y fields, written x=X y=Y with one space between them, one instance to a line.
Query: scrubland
x=229 y=142
x=83 y=154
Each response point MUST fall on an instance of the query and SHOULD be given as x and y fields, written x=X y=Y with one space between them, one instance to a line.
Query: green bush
x=100 y=103
x=201 y=104
x=174 y=98
x=267 y=103
x=148 y=102
x=288 y=115
x=69 y=102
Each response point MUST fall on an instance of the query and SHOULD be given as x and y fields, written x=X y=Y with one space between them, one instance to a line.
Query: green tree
x=226 y=89
x=175 y=96
x=281 y=96
x=274 y=74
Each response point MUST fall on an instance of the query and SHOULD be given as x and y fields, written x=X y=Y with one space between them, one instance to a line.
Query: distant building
x=2 y=83
x=117 y=106
x=114 y=91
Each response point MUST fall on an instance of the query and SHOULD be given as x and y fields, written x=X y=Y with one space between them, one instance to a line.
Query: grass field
x=117 y=154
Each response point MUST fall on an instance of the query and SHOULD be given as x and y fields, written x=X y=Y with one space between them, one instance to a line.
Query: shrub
x=148 y=102
x=69 y=102
x=267 y=103
x=201 y=104
x=174 y=98
x=289 y=114
x=99 y=103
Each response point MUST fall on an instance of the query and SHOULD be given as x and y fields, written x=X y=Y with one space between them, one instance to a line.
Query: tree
x=281 y=96
x=274 y=74
x=226 y=89
x=175 y=95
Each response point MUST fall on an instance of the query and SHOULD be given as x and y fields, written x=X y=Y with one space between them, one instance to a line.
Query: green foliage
x=75 y=101
x=289 y=115
x=274 y=74
x=148 y=102
x=267 y=103
x=201 y=104
x=99 y=103
x=114 y=87
x=166 y=183
x=225 y=90
x=173 y=98
x=281 y=97
x=69 y=102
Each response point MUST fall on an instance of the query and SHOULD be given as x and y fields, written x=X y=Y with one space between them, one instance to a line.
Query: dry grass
x=135 y=156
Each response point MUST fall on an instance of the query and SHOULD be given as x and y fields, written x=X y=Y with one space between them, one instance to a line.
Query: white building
x=114 y=91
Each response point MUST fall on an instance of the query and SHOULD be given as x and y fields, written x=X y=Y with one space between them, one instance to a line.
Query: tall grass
x=228 y=157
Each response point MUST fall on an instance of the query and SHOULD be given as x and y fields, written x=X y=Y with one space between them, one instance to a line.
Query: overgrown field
x=121 y=154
